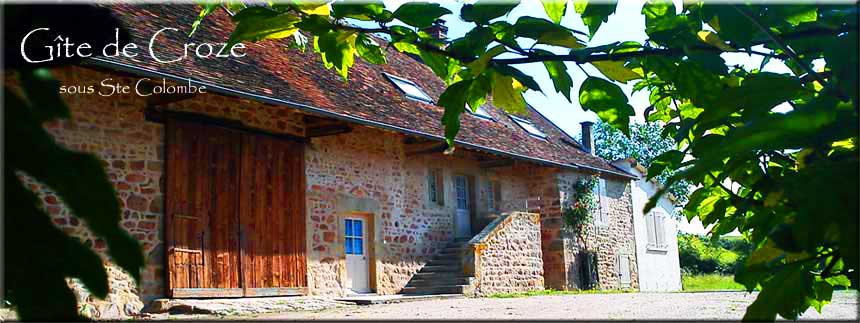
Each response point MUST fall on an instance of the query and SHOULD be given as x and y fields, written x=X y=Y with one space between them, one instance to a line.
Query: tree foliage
x=723 y=255
x=38 y=255
x=645 y=144
x=789 y=181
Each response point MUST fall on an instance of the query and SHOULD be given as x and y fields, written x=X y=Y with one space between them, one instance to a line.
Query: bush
x=700 y=255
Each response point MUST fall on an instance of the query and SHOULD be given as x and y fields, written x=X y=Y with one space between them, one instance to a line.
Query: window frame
x=658 y=224
x=436 y=187
x=394 y=79
x=602 y=218
x=493 y=198
x=486 y=115
x=520 y=122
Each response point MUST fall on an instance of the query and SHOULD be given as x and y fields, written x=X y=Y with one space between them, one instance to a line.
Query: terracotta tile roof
x=272 y=72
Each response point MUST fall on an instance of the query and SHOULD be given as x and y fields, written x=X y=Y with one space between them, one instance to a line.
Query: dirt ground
x=631 y=306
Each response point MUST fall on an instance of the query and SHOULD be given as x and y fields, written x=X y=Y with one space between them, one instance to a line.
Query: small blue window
x=348 y=246
x=357 y=248
x=353 y=232
x=357 y=230
x=348 y=230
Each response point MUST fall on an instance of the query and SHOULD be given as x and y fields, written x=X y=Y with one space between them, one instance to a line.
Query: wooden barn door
x=202 y=228
x=235 y=213
x=272 y=216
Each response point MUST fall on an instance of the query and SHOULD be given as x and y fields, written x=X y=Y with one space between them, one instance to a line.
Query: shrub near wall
x=700 y=255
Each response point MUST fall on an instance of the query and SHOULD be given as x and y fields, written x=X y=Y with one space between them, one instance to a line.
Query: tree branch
x=776 y=39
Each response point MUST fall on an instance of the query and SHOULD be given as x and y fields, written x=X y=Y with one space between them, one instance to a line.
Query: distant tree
x=646 y=142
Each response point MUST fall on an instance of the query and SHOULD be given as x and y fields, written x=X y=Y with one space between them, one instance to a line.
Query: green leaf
x=730 y=24
x=505 y=33
x=420 y=14
x=786 y=294
x=208 y=8
x=369 y=50
x=664 y=27
x=555 y=9
x=594 y=13
x=477 y=67
x=616 y=71
x=337 y=50
x=43 y=92
x=87 y=191
x=316 y=24
x=668 y=160
x=364 y=10
x=471 y=92
x=608 y=101
x=558 y=74
x=474 y=43
x=482 y=11
x=508 y=93
x=442 y=66
x=546 y=32
x=258 y=23
x=710 y=38
x=523 y=78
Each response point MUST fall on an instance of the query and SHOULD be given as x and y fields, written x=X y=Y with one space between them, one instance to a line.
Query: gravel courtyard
x=639 y=306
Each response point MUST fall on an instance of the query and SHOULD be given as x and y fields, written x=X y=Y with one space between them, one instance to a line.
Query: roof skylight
x=410 y=89
x=480 y=112
x=529 y=127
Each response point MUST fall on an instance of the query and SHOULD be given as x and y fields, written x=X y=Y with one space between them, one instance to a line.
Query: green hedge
x=701 y=255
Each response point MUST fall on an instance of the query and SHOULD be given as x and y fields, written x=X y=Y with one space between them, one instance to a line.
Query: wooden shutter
x=440 y=187
x=603 y=215
x=650 y=225
x=661 y=230
x=497 y=195
x=624 y=270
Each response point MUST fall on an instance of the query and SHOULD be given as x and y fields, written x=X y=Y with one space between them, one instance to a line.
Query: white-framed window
x=655 y=223
x=435 y=186
x=481 y=113
x=409 y=88
x=494 y=195
x=602 y=216
x=529 y=127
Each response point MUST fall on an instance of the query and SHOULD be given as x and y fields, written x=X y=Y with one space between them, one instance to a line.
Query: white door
x=462 y=222
x=355 y=246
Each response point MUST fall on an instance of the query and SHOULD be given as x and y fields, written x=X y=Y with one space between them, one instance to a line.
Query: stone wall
x=132 y=150
x=607 y=242
x=507 y=255
x=367 y=171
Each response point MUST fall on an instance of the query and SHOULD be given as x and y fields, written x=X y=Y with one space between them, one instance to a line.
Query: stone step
x=441 y=268
x=437 y=275
x=446 y=261
x=439 y=282
x=450 y=289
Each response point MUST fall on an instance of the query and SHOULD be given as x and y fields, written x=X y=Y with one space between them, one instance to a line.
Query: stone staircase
x=443 y=274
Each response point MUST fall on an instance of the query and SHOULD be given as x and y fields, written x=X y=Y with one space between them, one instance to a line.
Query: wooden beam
x=426 y=148
x=327 y=130
x=165 y=99
x=493 y=163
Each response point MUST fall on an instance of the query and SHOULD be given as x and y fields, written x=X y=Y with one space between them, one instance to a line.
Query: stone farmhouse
x=284 y=179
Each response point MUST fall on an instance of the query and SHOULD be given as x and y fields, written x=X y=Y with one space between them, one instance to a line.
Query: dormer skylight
x=481 y=113
x=529 y=127
x=409 y=88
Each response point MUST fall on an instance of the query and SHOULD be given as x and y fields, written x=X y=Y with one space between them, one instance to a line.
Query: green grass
x=553 y=292
x=709 y=282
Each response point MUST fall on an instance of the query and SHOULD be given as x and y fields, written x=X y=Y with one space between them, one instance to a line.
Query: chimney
x=437 y=30
x=587 y=138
